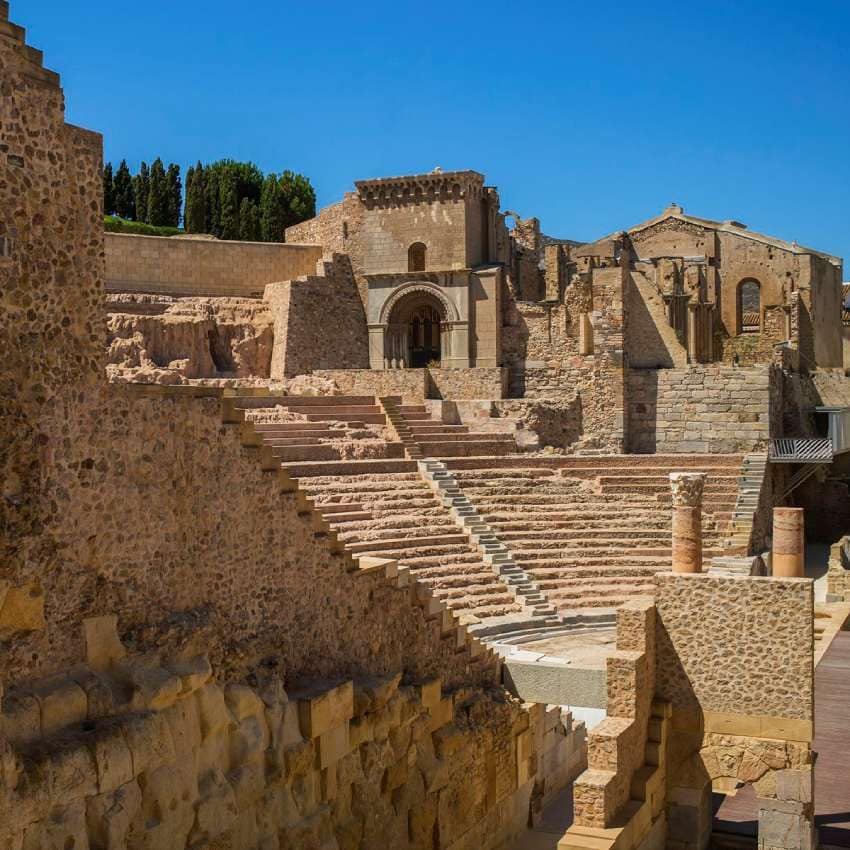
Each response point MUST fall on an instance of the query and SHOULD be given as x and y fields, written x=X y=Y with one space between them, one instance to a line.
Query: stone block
x=794 y=785
x=155 y=687
x=212 y=710
x=193 y=673
x=21 y=608
x=243 y=702
x=333 y=745
x=63 y=703
x=149 y=740
x=73 y=773
x=321 y=709
x=21 y=718
x=112 y=757
x=108 y=816
x=103 y=646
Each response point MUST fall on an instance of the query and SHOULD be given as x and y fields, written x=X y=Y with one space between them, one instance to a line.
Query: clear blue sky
x=591 y=116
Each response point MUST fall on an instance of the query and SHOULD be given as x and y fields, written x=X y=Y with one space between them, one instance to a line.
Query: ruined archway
x=415 y=337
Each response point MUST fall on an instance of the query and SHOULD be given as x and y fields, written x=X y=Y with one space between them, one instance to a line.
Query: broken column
x=687 y=490
x=789 y=545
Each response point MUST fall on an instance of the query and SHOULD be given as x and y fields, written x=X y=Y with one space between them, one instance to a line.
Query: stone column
x=687 y=490
x=789 y=544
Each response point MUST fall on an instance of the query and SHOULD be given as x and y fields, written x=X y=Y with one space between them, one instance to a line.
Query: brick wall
x=699 y=409
x=182 y=266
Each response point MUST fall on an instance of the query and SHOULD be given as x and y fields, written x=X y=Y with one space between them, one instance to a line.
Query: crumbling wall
x=160 y=339
x=140 y=752
x=574 y=350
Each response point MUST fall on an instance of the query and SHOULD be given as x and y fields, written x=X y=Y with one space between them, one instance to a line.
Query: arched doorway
x=415 y=332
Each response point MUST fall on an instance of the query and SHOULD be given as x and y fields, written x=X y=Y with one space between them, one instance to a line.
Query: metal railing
x=791 y=450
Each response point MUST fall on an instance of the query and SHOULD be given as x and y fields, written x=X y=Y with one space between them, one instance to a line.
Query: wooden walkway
x=738 y=815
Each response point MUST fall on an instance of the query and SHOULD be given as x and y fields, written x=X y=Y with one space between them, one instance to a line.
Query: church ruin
x=389 y=534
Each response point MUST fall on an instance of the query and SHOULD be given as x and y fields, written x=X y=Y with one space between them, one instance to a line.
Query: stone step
x=296 y=427
x=416 y=430
x=403 y=543
x=376 y=418
x=473 y=437
x=349 y=467
x=466 y=449
x=445 y=551
x=290 y=454
x=295 y=401
x=670 y=463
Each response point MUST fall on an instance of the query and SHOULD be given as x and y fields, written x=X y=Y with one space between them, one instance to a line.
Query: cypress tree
x=213 y=203
x=141 y=191
x=175 y=195
x=124 y=197
x=271 y=210
x=159 y=204
x=249 y=221
x=108 y=190
x=195 y=218
x=229 y=200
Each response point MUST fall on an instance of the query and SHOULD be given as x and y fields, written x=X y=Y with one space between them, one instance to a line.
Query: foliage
x=227 y=199
x=114 y=224
x=108 y=189
x=125 y=199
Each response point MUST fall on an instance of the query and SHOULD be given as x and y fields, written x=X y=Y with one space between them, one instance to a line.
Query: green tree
x=141 y=191
x=249 y=221
x=158 y=197
x=123 y=194
x=175 y=195
x=299 y=198
x=229 y=204
x=271 y=210
x=108 y=190
x=213 y=203
x=195 y=217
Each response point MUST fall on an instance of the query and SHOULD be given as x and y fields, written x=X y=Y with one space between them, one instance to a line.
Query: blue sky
x=591 y=116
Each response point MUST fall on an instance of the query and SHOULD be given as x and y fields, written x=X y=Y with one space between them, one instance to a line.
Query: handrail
x=807 y=450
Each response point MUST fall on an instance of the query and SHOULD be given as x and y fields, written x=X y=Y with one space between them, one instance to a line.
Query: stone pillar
x=687 y=490
x=789 y=544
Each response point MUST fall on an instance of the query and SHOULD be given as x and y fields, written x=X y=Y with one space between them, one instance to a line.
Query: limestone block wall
x=185 y=266
x=838 y=573
x=319 y=322
x=136 y=752
x=704 y=408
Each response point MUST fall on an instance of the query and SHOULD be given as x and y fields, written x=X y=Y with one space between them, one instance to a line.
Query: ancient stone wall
x=410 y=384
x=573 y=350
x=765 y=628
x=187 y=266
x=319 y=322
x=709 y=408
x=467 y=383
x=135 y=752
x=167 y=340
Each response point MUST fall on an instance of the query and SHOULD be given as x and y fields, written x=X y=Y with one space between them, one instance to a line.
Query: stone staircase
x=590 y=531
x=424 y=436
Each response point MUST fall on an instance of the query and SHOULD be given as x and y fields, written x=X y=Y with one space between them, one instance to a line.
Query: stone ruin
x=391 y=534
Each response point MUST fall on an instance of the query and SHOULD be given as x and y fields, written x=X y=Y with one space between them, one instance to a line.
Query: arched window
x=416 y=257
x=749 y=306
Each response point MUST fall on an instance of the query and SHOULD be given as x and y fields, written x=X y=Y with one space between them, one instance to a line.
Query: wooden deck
x=738 y=815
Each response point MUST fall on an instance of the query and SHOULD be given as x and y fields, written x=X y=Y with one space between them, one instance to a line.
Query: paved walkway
x=739 y=814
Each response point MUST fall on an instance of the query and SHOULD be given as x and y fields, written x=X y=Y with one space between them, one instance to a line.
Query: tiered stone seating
x=306 y=439
x=395 y=514
x=436 y=439
x=593 y=530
